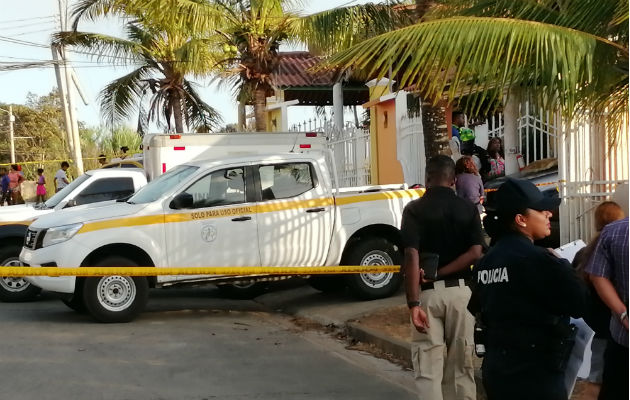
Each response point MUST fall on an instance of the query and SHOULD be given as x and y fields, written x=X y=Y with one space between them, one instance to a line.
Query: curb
x=396 y=347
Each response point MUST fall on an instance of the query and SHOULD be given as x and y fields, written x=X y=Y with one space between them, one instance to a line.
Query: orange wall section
x=389 y=170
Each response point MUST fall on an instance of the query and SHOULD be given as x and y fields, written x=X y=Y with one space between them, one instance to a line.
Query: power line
x=31 y=32
x=4 y=27
x=27 y=19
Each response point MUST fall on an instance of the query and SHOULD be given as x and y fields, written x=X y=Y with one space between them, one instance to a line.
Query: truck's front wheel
x=14 y=289
x=377 y=285
x=115 y=298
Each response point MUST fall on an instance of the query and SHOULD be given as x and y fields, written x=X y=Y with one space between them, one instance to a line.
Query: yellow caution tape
x=537 y=184
x=156 y=271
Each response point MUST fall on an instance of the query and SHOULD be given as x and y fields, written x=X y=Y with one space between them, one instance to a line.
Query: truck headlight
x=60 y=234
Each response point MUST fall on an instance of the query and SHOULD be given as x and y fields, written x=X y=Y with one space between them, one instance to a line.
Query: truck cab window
x=105 y=189
x=219 y=188
x=283 y=181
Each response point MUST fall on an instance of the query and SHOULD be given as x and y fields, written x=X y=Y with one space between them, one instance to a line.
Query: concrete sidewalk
x=340 y=311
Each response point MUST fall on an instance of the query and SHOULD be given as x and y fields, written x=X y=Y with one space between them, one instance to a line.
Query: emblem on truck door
x=208 y=233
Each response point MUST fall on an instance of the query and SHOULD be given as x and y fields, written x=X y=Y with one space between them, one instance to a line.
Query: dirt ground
x=394 y=321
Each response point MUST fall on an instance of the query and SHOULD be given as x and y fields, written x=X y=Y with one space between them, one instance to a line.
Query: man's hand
x=625 y=323
x=419 y=319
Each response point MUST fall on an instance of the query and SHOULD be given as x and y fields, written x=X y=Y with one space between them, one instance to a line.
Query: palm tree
x=244 y=36
x=163 y=57
x=572 y=55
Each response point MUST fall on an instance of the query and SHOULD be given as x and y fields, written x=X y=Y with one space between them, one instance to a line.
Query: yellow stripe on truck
x=278 y=205
x=153 y=271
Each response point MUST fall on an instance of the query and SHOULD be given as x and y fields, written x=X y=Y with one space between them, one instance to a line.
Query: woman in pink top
x=15 y=179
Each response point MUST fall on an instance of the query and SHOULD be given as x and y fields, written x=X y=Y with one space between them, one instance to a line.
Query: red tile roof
x=294 y=76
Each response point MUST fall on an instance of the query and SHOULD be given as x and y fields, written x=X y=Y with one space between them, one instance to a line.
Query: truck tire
x=15 y=289
x=243 y=291
x=327 y=283
x=373 y=251
x=113 y=299
x=75 y=302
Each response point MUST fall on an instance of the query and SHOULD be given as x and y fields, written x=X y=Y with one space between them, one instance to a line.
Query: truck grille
x=31 y=239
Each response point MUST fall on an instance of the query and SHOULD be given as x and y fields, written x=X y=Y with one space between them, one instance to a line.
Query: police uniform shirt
x=520 y=285
x=442 y=223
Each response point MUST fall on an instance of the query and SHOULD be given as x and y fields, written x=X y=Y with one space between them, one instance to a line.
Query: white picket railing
x=590 y=169
x=351 y=152
x=410 y=149
x=537 y=132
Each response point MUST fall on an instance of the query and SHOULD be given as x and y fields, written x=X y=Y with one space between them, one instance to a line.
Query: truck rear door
x=295 y=214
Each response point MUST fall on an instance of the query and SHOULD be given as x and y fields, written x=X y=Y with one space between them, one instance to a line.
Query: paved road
x=189 y=345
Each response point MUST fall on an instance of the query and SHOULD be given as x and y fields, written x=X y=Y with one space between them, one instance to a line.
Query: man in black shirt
x=443 y=226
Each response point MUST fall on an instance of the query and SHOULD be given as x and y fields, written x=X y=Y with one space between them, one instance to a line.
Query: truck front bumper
x=60 y=255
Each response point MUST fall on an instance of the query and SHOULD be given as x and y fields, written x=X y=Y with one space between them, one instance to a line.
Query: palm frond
x=591 y=16
x=340 y=28
x=121 y=97
x=92 y=9
x=460 y=56
x=199 y=113
x=102 y=47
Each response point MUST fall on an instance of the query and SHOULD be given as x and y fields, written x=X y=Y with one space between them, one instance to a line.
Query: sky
x=33 y=21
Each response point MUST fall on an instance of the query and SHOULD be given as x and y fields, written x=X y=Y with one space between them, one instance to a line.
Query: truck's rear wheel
x=373 y=251
x=115 y=298
x=15 y=289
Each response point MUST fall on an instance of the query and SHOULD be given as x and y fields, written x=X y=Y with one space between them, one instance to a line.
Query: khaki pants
x=450 y=334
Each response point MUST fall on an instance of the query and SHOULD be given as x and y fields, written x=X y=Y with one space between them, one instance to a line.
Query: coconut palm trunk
x=436 y=135
x=434 y=125
x=260 y=104
x=177 y=112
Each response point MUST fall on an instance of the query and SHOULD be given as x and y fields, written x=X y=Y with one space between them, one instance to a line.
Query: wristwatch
x=623 y=315
x=412 y=304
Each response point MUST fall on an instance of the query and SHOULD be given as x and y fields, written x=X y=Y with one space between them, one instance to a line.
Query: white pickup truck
x=90 y=188
x=276 y=210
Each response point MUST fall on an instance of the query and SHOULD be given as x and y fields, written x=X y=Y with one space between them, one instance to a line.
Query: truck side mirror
x=181 y=201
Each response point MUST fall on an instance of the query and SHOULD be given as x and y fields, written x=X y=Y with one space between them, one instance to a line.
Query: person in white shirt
x=61 y=179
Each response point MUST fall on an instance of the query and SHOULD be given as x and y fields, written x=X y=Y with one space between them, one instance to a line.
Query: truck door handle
x=238 y=219
x=315 y=210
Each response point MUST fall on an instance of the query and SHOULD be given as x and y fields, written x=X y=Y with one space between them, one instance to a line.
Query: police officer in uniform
x=523 y=297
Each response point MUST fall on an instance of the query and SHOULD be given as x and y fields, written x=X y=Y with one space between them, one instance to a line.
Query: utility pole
x=11 y=137
x=72 y=126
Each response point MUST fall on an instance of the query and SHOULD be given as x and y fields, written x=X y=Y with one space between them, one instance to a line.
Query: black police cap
x=518 y=194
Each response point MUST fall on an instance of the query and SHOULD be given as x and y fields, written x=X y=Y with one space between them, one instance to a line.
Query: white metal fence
x=590 y=169
x=537 y=131
x=351 y=152
x=350 y=147
x=410 y=149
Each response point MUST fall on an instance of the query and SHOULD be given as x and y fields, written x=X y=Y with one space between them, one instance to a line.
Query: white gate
x=537 y=132
x=351 y=152
x=410 y=149
x=590 y=168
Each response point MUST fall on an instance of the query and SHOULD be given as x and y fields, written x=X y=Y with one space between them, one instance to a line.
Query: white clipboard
x=569 y=250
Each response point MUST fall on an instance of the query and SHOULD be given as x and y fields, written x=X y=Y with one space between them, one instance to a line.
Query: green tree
x=163 y=56
x=39 y=131
x=242 y=37
x=570 y=54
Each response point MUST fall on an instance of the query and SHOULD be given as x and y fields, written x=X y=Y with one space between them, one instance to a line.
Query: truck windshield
x=63 y=193
x=155 y=189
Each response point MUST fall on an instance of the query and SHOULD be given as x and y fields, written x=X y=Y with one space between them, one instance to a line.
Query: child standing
x=41 y=186
x=6 y=194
